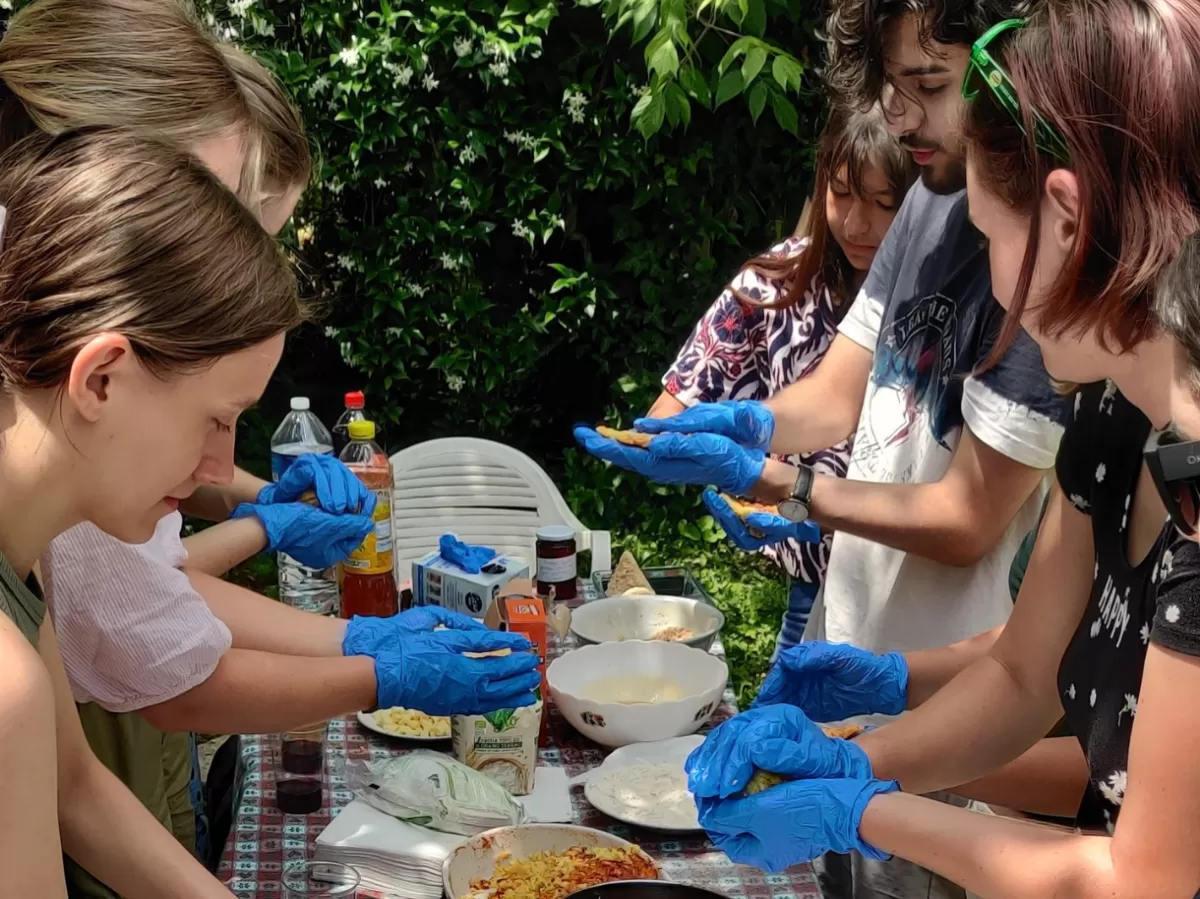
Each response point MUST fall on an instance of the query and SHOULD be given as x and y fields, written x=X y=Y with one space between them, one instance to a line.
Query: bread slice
x=843 y=731
x=742 y=508
x=628 y=576
x=629 y=438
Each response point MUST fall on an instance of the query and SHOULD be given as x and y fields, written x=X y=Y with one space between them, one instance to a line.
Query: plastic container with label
x=368 y=581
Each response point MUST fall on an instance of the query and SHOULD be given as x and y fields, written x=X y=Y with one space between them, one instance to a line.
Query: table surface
x=263 y=839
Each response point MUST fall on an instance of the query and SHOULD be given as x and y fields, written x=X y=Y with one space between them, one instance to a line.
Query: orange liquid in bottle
x=368 y=580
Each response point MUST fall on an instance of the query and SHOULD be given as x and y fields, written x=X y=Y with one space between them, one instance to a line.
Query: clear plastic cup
x=318 y=880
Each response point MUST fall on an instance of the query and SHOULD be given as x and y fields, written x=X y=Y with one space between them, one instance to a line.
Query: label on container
x=374 y=556
x=556 y=571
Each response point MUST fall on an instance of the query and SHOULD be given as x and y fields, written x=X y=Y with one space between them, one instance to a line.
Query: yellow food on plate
x=411 y=723
x=742 y=508
x=629 y=438
x=554 y=875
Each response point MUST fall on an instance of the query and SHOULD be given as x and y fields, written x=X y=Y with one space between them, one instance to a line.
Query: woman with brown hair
x=1082 y=173
x=776 y=319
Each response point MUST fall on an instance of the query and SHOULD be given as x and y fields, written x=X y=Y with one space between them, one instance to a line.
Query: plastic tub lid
x=300 y=404
x=556 y=533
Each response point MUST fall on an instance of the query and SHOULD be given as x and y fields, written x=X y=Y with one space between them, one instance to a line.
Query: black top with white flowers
x=1098 y=466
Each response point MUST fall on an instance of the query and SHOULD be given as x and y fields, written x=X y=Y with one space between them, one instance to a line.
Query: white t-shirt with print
x=927 y=313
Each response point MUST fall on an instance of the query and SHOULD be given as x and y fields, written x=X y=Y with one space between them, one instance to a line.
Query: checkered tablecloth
x=263 y=838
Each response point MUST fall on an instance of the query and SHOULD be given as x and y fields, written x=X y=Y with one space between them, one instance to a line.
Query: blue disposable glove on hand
x=338 y=490
x=793 y=822
x=682 y=459
x=470 y=559
x=772 y=529
x=779 y=739
x=833 y=681
x=366 y=635
x=428 y=671
x=309 y=535
x=747 y=422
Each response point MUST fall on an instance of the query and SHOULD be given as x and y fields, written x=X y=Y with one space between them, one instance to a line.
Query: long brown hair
x=109 y=231
x=149 y=65
x=859 y=141
x=1120 y=81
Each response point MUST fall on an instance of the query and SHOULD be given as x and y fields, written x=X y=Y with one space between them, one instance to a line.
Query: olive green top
x=21 y=601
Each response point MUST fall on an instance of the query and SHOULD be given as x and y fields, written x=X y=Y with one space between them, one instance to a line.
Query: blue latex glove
x=309 y=535
x=338 y=490
x=368 y=635
x=682 y=459
x=772 y=528
x=428 y=671
x=747 y=422
x=778 y=738
x=470 y=559
x=833 y=681
x=793 y=822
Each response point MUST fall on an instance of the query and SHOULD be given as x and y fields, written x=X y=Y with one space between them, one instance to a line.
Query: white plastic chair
x=486 y=493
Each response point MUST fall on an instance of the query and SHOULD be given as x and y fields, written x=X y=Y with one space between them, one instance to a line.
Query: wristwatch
x=796 y=507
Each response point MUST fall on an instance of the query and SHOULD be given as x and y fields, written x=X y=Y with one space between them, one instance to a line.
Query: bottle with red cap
x=355 y=403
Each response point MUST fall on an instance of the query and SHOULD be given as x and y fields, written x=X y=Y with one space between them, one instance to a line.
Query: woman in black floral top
x=774 y=322
x=1084 y=176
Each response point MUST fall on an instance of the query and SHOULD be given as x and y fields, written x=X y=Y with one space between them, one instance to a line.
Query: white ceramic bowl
x=475 y=858
x=618 y=618
x=701 y=676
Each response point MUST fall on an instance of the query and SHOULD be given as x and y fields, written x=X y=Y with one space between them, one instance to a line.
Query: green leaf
x=755 y=20
x=651 y=119
x=787 y=72
x=678 y=100
x=693 y=82
x=757 y=100
x=663 y=59
x=644 y=19
x=730 y=86
x=736 y=49
x=756 y=58
x=785 y=113
x=689 y=530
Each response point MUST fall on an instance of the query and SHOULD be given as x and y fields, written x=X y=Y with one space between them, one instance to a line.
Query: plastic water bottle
x=310 y=589
x=355 y=401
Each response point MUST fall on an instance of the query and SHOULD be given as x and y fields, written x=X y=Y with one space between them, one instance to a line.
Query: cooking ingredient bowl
x=667 y=618
x=645 y=889
x=476 y=857
x=637 y=691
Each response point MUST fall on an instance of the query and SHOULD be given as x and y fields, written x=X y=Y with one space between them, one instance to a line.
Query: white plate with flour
x=644 y=784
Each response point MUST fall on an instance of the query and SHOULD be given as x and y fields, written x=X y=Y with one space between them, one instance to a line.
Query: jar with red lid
x=556 y=557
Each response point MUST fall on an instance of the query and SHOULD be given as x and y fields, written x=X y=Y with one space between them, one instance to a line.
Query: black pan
x=645 y=889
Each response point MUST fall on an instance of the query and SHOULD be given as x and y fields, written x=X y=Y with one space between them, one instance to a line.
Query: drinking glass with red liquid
x=299 y=776
x=368 y=582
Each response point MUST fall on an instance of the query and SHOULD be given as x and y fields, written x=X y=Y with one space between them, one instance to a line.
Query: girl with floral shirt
x=773 y=323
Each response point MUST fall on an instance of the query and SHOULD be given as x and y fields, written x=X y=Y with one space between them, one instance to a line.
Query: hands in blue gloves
x=746 y=422
x=834 y=681
x=683 y=459
x=338 y=490
x=428 y=671
x=470 y=559
x=778 y=738
x=793 y=822
x=366 y=636
x=771 y=529
x=310 y=536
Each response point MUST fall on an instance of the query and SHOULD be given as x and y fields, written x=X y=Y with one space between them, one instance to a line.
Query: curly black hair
x=856 y=30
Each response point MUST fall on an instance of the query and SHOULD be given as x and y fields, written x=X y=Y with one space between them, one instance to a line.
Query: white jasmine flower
x=430 y=82
x=417 y=290
x=346 y=262
x=381 y=182
x=331 y=333
x=499 y=68
x=455 y=382
x=319 y=86
x=575 y=103
x=349 y=55
x=464 y=203
x=263 y=28
x=467 y=155
x=239 y=8
x=336 y=187
x=404 y=75
x=408 y=167
x=463 y=46
x=521 y=230
x=449 y=263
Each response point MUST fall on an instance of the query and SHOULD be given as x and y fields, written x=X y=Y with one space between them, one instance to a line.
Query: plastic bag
x=435 y=790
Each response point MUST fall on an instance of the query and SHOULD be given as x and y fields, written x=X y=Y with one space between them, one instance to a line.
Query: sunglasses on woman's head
x=1175 y=466
x=984 y=71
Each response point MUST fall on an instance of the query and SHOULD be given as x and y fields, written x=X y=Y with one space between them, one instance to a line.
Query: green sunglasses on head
x=982 y=67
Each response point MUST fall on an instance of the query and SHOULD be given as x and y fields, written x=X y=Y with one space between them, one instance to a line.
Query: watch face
x=793 y=510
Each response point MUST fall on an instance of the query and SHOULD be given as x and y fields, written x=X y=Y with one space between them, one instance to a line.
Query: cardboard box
x=518 y=610
x=436 y=582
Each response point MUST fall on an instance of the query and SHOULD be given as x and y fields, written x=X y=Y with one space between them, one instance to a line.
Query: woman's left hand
x=793 y=822
x=699 y=459
x=368 y=635
x=338 y=490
